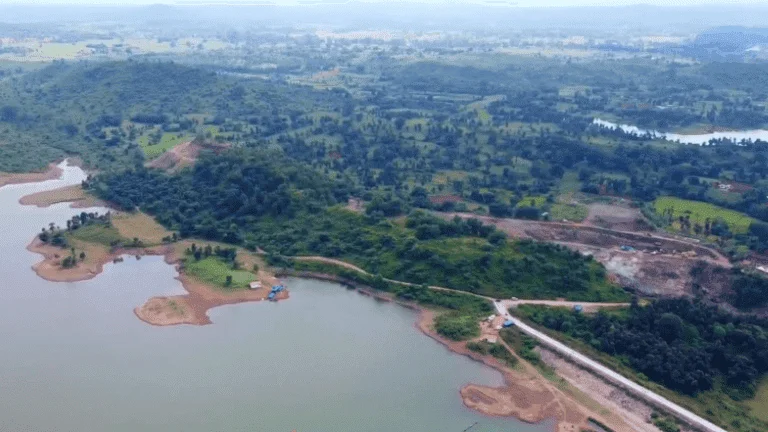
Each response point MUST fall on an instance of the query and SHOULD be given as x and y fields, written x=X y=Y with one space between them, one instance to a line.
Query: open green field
x=700 y=211
x=572 y=212
x=215 y=271
x=97 y=233
x=168 y=141
x=759 y=403
x=532 y=201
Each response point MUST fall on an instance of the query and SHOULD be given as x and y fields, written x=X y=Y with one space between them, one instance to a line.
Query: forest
x=526 y=128
x=289 y=132
x=687 y=346
x=262 y=199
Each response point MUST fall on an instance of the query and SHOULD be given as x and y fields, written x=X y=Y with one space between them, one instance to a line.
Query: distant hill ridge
x=732 y=38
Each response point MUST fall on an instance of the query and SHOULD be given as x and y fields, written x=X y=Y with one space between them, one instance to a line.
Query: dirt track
x=595 y=236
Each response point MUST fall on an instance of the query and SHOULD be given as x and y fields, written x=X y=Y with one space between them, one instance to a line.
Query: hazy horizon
x=518 y=3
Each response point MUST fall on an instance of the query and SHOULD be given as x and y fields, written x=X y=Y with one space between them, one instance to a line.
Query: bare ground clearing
x=183 y=155
x=634 y=411
x=616 y=217
x=52 y=173
x=72 y=194
x=653 y=264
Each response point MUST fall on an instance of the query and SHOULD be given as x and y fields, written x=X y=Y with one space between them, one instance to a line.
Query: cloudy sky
x=518 y=2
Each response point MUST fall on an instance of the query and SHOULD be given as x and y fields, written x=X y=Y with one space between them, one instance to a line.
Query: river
x=75 y=358
x=700 y=139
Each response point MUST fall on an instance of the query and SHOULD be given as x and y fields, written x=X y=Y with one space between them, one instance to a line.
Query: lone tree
x=228 y=282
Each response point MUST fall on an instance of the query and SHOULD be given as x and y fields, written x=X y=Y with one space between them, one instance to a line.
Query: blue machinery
x=275 y=289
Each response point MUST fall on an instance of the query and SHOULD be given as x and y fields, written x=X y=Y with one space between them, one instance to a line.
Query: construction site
x=649 y=263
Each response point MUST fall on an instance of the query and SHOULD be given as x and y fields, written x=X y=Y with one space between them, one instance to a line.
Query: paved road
x=502 y=307
x=644 y=393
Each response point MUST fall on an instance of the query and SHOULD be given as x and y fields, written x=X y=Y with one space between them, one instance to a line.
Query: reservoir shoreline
x=702 y=138
x=52 y=173
x=190 y=308
x=523 y=396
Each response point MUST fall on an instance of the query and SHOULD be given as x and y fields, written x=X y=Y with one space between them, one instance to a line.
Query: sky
x=525 y=3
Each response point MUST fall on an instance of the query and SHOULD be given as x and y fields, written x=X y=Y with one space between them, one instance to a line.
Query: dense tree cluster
x=684 y=345
x=222 y=195
x=751 y=291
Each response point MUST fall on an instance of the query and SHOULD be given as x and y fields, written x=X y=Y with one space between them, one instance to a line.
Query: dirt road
x=587 y=306
x=569 y=232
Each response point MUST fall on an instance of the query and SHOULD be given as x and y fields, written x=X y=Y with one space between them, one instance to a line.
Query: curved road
x=644 y=393
x=573 y=355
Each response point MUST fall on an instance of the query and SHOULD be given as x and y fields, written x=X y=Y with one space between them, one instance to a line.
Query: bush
x=456 y=326
x=496 y=350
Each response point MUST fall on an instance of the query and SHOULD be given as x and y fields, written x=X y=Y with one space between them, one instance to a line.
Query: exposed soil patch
x=525 y=395
x=71 y=194
x=649 y=263
x=96 y=256
x=616 y=217
x=141 y=226
x=356 y=205
x=634 y=411
x=183 y=155
x=52 y=173
x=191 y=308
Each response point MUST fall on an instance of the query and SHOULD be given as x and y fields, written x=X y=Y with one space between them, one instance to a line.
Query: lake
x=737 y=136
x=75 y=358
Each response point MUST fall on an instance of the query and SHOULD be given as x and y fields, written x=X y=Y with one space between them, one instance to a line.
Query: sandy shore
x=525 y=395
x=50 y=270
x=52 y=173
x=72 y=194
x=190 y=308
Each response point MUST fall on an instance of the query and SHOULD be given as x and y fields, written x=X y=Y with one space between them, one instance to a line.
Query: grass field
x=759 y=403
x=167 y=142
x=214 y=271
x=700 y=211
x=572 y=212
x=97 y=233
x=532 y=201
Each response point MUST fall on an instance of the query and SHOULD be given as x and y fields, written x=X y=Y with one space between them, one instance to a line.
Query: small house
x=255 y=285
x=578 y=308
x=508 y=323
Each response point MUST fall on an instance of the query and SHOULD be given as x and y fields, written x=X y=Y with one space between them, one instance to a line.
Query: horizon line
x=294 y=3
